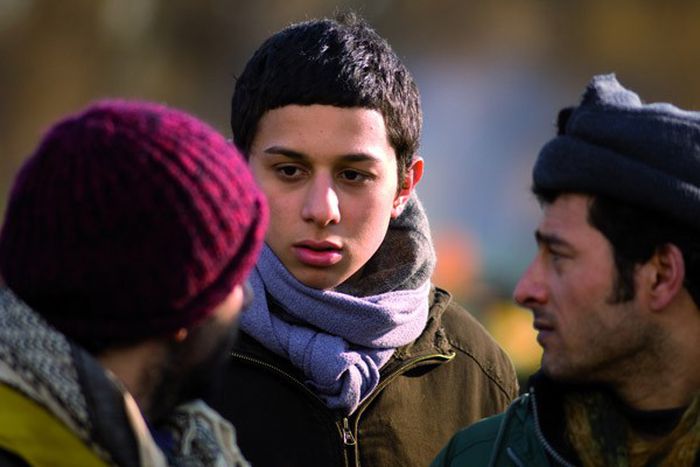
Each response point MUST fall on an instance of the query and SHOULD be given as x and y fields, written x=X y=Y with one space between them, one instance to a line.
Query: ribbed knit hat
x=612 y=144
x=130 y=220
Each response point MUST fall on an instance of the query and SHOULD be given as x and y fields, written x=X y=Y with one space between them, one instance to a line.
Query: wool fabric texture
x=130 y=220
x=597 y=430
x=341 y=341
x=612 y=144
x=43 y=366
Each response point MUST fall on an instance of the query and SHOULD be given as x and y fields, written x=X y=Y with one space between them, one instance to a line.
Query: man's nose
x=321 y=205
x=531 y=289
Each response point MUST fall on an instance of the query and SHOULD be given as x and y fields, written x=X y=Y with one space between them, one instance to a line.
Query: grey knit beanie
x=614 y=145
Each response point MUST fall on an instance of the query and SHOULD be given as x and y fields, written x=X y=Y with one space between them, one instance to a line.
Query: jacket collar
x=549 y=396
x=432 y=340
x=46 y=367
x=548 y=405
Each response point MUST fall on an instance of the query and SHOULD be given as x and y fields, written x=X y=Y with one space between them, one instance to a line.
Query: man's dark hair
x=341 y=62
x=635 y=234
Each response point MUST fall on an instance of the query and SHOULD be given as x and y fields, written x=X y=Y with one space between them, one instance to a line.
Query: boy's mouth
x=318 y=254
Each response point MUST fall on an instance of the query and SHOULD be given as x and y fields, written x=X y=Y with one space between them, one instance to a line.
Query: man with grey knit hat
x=614 y=290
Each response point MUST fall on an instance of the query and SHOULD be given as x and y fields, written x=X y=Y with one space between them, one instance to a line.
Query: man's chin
x=555 y=370
x=181 y=383
x=563 y=374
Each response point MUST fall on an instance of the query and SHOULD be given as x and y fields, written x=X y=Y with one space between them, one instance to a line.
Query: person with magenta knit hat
x=615 y=293
x=125 y=251
x=349 y=354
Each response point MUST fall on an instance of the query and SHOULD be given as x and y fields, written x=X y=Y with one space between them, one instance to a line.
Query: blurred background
x=492 y=75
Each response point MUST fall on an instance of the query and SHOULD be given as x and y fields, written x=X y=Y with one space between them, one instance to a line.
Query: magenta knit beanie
x=130 y=220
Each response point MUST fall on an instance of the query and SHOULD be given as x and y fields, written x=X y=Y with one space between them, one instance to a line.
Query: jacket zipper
x=540 y=436
x=349 y=441
x=399 y=371
x=346 y=431
x=380 y=387
x=348 y=437
x=346 y=434
x=280 y=372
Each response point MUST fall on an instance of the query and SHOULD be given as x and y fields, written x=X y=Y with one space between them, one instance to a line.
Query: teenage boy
x=349 y=355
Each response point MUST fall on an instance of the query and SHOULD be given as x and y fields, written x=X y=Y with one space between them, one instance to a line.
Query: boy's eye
x=353 y=176
x=288 y=171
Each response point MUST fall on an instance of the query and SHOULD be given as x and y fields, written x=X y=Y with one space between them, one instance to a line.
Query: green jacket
x=452 y=375
x=526 y=434
x=532 y=432
x=513 y=438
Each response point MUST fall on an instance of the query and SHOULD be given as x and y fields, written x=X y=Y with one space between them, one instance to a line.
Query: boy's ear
x=406 y=186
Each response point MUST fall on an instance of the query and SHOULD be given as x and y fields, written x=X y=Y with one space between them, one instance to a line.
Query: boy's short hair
x=341 y=62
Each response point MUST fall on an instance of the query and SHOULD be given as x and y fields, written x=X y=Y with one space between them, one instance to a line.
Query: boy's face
x=330 y=176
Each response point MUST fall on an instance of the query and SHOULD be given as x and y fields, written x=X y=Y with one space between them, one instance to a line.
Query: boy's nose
x=321 y=205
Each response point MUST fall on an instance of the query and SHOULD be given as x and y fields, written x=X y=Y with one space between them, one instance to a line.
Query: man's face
x=330 y=176
x=190 y=366
x=569 y=286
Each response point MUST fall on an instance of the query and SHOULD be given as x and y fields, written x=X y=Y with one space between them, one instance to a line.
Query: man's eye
x=556 y=256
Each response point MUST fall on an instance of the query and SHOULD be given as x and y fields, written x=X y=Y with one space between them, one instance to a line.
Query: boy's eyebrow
x=292 y=154
x=360 y=157
x=282 y=151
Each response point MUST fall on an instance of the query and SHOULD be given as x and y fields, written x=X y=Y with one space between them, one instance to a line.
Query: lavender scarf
x=340 y=340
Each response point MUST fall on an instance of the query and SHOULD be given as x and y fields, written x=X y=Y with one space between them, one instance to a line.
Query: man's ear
x=406 y=186
x=180 y=335
x=666 y=273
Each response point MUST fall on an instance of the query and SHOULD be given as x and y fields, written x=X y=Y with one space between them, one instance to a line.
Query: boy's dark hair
x=341 y=62
x=635 y=234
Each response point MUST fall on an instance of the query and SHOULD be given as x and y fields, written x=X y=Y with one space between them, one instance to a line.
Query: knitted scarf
x=341 y=338
x=44 y=366
x=601 y=437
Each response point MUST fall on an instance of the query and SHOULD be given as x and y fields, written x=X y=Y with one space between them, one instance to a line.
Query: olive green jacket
x=452 y=375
